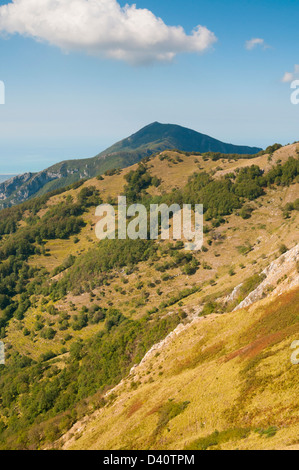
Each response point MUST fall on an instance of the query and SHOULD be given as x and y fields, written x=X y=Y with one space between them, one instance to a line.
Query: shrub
x=283 y=249
x=48 y=333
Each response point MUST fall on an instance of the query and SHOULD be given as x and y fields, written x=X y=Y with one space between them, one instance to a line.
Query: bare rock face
x=11 y=185
x=233 y=296
x=281 y=276
x=22 y=187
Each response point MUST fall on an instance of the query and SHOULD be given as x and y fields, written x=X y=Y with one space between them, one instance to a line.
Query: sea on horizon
x=5 y=177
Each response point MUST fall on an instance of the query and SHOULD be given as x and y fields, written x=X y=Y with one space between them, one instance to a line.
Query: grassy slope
x=235 y=371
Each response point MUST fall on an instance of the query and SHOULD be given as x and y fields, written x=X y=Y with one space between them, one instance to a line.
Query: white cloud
x=256 y=42
x=102 y=27
x=290 y=76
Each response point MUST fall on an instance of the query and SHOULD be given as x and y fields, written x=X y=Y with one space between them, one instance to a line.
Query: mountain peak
x=153 y=138
x=156 y=137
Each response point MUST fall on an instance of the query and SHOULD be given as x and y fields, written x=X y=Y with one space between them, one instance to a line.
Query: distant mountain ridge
x=171 y=136
x=151 y=139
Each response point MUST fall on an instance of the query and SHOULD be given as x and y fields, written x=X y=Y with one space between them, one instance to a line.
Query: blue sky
x=62 y=102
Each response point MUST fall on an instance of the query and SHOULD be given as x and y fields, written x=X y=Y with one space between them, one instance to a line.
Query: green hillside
x=77 y=314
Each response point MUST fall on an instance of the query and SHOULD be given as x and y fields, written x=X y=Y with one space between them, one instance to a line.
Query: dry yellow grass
x=228 y=388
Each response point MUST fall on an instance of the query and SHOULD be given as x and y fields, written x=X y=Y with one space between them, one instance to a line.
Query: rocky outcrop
x=21 y=188
x=233 y=296
x=9 y=186
x=281 y=275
